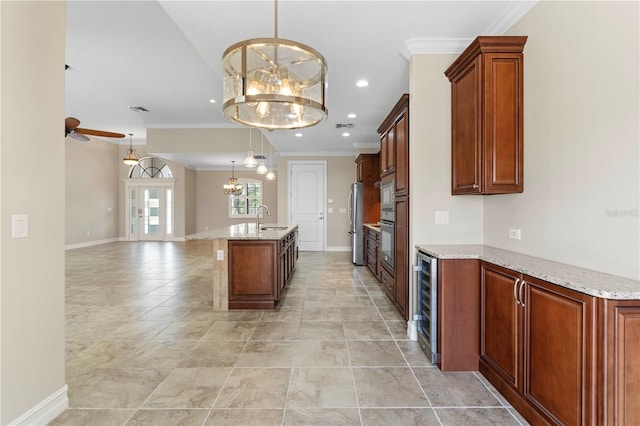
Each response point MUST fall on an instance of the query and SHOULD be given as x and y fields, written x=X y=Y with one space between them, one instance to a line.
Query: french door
x=149 y=211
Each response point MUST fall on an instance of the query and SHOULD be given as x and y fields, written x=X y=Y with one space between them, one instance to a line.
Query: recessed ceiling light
x=213 y=101
x=362 y=83
x=298 y=135
x=345 y=134
x=352 y=115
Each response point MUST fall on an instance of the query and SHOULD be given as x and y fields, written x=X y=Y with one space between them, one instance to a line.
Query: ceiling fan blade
x=78 y=136
x=71 y=123
x=102 y=133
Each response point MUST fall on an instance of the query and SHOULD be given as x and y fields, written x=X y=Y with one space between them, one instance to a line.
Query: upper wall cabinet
x=486 y=117
x=394 y=145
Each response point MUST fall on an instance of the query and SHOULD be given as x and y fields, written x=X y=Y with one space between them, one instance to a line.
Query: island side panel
x=220 y=276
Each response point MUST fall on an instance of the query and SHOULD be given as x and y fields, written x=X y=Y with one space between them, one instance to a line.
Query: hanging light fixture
x=250 y=161
x=270 y=175
x=131 y=158
x=262 y=169
x=274 y=83
x=233 y=187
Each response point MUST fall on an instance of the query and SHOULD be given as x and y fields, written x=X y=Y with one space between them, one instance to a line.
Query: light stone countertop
x=373 y=226
x=583 y=280
x=244 y=231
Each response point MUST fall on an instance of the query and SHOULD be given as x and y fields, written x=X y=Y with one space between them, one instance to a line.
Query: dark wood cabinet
x=394 y=160
x=487 y=116
x=618 y=381
x=259 y=270
x=368 y=172
x=401 y=262
x=372 y=251
x=536 y=346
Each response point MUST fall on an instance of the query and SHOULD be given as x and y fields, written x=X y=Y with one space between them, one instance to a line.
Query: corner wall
x=581 y=139
x=32 y=164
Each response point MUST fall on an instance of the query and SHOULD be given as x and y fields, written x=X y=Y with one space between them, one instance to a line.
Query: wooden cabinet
x=388 y=282
x=536 y=346
x=372 y=251
x=458 y=314
x=401 y=262
x=368 y=172
x=259 y=270
x=487 y=116
x=618 y=381
x=394 y=145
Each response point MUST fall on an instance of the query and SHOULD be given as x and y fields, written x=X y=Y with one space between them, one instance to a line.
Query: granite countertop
x=583 y=280
x=373 y=226
x=244 y=231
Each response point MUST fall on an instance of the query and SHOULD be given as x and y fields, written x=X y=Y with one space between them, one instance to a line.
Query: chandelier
x=131 y=158
x=274 y=83
x=233 y=187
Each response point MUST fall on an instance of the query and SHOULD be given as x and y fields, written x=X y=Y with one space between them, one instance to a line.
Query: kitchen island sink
x=251 y=264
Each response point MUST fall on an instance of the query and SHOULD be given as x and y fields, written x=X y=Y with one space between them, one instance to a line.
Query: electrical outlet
x=514 y=234
x=442 y=218
x=220 y=255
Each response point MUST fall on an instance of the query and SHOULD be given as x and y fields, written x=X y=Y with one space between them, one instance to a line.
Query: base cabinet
x=536 y=346
x=259 y=270
x=372 y=251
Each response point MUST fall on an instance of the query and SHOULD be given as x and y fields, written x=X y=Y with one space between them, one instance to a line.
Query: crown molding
x=512 y=14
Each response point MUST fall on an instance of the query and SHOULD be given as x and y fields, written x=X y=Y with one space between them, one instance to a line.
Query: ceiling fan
x=71 y=129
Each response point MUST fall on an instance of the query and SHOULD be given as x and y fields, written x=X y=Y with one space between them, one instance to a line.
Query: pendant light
x=250 y=161
x=233 y=187
x=270 y=175
x=131 y=158
x=274 y=83
x=262 y=169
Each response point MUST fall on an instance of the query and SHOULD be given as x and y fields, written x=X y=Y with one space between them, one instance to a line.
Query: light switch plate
x=19 y=226
x=442 y=218
x=515 y=234
x=220 y=254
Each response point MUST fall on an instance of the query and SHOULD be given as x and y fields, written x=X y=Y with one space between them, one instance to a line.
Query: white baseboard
x=412 y=330
x=47 y=410
x=339 y=248
x=91 y=243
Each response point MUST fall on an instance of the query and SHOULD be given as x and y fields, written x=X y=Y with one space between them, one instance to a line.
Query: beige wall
x=212 y=206
x=341 y=172
x=32 y=164
x=190 y=202
x=581 y=144
x=91 y=191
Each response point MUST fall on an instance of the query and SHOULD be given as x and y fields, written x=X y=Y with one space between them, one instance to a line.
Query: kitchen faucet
x=258 y=215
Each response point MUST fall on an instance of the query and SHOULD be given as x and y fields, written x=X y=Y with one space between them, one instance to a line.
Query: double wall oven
x=387 y=223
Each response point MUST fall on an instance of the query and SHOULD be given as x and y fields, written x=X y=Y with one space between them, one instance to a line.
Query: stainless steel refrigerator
x=355 y=223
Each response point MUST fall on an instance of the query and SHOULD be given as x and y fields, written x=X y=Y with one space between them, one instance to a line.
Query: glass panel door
x=151 y=214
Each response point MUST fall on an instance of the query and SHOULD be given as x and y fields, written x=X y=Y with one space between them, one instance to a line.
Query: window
x=150 y=168
x=247 y=203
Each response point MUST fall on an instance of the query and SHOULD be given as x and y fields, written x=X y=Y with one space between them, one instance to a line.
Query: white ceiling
x=166 y=57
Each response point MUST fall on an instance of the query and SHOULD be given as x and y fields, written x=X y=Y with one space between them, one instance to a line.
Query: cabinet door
x=359 y=171
x=402 y=256
x=500 y=321
x=558 y=351
x=387 y=152
x=401 y=146
x=466 y=128
x=503 y=133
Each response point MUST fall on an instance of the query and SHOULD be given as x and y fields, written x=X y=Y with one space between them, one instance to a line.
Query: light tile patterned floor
x=144 y=347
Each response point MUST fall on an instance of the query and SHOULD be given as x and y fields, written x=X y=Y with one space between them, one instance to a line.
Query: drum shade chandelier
x=274 y=83
x=233 y=187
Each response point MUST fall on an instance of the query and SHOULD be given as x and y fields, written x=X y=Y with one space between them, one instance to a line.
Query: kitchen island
x=251 y=265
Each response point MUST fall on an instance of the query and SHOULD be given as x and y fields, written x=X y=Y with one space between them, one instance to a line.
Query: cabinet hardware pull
x=515 y=295
x=520 y=293
x=475 y=186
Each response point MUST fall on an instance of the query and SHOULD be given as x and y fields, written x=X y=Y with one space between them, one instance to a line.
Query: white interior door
x=307 y=182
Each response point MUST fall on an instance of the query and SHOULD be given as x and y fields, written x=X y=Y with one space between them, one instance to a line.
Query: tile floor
x=144 y=347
